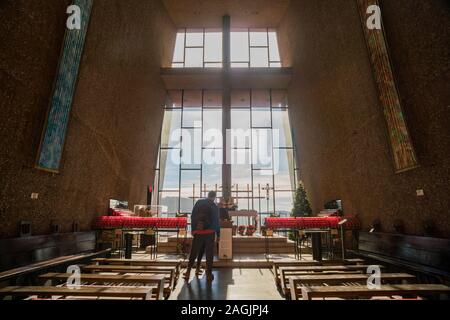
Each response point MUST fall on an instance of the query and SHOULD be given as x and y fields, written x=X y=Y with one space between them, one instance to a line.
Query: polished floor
x=229 y=283
x=246 y=277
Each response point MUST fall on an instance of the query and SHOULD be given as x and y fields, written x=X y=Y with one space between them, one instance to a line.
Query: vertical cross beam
x=226 y=106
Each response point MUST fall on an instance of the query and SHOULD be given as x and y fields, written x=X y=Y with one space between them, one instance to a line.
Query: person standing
x=205 y=226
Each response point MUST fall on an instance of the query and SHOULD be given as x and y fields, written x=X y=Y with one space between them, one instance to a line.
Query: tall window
x=254 y=48
x=198 y=48
x=266 y=180
x=262 y=158
x=250 y=48
x=190 y=156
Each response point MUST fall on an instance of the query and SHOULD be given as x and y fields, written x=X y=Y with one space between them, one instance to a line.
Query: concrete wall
x=116 y=115
x=337 y=118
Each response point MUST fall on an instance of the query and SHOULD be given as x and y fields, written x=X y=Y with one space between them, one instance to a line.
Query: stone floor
x=246 y=277
x=229 y=283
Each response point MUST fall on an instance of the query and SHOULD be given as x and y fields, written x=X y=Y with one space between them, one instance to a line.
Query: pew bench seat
x=362 y=292
x=84 y=291
x=90 y=279
x=139 y=262
x=302 y=270
x=121 y=269
x=289 y=263
x=297 y=282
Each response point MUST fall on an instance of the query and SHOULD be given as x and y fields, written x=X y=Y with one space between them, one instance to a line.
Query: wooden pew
x=49 y=264
x=291 y=263
x=88 y=291
x=140 y=262
x=93 y=278
x=295 y=282
x=352 y=292
x=303 y=270
x=169 y=271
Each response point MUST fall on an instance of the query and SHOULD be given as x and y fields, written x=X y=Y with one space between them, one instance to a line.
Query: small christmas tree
x=302 y=208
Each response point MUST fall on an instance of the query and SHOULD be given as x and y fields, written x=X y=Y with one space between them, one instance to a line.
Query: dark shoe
x=209 y=277
x=198 y=272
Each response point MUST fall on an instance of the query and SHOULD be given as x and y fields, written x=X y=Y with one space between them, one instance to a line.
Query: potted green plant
x=302 y=207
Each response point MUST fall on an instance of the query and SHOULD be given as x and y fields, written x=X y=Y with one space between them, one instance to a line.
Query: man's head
x=212 y=195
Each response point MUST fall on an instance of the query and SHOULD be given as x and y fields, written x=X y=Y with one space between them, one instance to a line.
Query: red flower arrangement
x=250 y=230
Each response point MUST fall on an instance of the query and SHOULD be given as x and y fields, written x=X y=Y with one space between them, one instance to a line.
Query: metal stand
x=342 y=241
x=128 y=245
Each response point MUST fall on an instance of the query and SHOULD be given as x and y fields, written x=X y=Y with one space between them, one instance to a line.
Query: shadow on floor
x=200 y=289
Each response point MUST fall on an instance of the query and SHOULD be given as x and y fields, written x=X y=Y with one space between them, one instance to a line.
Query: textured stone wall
x=338 y=122
x=115 y=120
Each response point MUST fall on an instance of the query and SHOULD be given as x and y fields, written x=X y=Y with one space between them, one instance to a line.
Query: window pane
x=213 y=45
x=169 y=172
x=192 y=98
x=178 y=55
x=212 y=157
x=240 y=99
x=212 y=128
x=212 y=99
x=261 y=98
x=190 y=189
x=178 y=65
x=194 y=37
x=296 y=177
x=213 y=65
x=170 y=135
x=261 y=118
x=157 y=161
x=155 y=187
x=262 y=178
x=262 y=148
x=284 y=169
x=169 y=199
x=264 y=207
x=258 y=58
x=239 y=45
x=274 y=53
x=263 y=187
x=239 y=64
x=194 y=58
x=241 y=168
x=192 y=118
x=279 y=99
x=240 y=136
x=191 y=156
x=240 y=157
x=283 y=203
x=211 y=178
x=258 y=37
x=282 y=136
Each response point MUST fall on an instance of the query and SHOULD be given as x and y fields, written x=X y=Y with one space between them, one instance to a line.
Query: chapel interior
x=322 y=126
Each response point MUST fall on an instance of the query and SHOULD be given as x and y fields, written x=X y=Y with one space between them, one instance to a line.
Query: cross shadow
x=200 y=289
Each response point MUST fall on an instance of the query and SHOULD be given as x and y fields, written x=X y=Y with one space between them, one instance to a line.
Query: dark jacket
x=214 y=211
